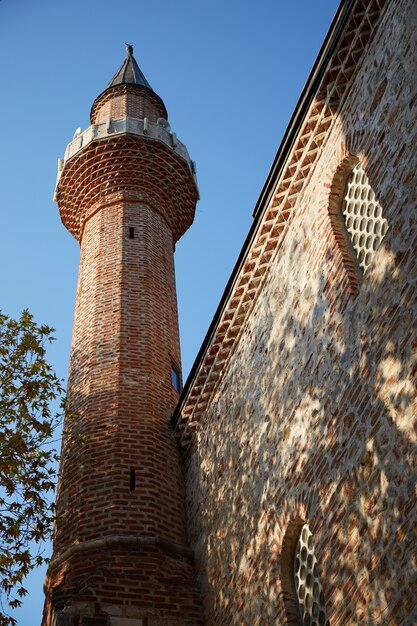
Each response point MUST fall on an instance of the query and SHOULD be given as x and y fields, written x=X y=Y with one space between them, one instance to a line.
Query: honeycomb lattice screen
x=307 y=582
x=363 y=217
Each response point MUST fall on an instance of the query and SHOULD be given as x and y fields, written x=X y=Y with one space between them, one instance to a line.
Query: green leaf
x=28 y=458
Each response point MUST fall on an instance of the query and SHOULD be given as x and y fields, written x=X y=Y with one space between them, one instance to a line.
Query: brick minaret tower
x=127 y=192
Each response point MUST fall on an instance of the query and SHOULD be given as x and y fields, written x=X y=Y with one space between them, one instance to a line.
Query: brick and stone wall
x=312 y=416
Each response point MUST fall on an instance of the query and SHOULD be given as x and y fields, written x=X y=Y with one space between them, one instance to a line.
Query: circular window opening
x=307 y=583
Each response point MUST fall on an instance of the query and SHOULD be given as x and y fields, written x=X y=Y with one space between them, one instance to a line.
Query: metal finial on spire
x=129 y=72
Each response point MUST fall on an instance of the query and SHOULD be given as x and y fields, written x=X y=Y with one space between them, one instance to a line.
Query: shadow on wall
x=314 y=419
x=325 y=437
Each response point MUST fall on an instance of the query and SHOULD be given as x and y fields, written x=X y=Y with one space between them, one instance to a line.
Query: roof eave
x=310 y=89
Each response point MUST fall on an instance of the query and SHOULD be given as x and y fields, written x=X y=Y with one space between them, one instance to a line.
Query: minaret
x=127 y=192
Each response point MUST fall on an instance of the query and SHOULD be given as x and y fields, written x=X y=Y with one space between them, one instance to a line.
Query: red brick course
x=127 y=199
x=127 y=101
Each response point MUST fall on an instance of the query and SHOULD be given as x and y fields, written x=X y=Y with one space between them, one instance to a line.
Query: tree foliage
x=29 y=388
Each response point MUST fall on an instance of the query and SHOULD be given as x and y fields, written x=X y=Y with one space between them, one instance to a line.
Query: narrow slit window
x=176 y=379
x=131 y=232
x=132 y=483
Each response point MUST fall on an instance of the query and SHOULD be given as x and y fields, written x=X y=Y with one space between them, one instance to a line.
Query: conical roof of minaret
x=129 y=72
x=130 y=75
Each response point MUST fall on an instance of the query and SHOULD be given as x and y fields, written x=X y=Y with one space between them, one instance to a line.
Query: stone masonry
x=303 y=407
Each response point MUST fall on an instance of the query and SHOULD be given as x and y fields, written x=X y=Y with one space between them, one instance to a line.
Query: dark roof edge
x=303 y=104
x=305 y=99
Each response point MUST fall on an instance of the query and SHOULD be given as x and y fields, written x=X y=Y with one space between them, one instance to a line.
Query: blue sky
x=230 y=73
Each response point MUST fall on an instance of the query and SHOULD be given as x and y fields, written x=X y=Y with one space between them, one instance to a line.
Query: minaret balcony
x=112 y=128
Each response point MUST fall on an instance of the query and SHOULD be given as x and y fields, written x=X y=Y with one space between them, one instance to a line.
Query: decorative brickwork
x=303 y=406
x=127 y=167
x=299 y=419
x=127 y=100
x=362 y=215
x=273 y=227
x=308 y=589
x=120 y=554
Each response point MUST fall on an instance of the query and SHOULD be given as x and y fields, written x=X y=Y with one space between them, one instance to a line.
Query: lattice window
x=307 y=582
x=363 y=217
